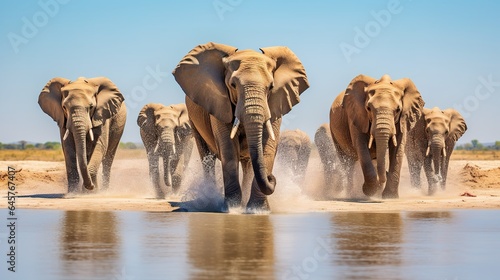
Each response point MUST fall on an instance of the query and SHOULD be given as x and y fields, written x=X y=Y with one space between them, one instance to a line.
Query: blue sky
x=450 y=49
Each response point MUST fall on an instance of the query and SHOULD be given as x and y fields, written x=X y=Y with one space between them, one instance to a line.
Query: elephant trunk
x=80 y=125
x=256 y=113
x=384 y=131
x=438 y=153
x=167 y=141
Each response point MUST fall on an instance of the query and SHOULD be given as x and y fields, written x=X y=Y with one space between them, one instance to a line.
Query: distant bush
x=130 y=145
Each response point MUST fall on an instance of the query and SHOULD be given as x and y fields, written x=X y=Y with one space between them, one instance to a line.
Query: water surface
x=53 y=244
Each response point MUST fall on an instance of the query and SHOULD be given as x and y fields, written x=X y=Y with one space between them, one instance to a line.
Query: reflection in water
x=443 y=216
x=89 y=243
x=231 y=246
x=364 y=241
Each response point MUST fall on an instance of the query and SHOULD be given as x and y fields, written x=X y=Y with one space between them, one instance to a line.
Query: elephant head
x=244 y=86
x=77 y=107
x=443 y=129
x=164 y=127
x=385 y=110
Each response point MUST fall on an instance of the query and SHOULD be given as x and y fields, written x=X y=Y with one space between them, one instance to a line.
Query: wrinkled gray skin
x=166 y=132
x=430 y=145
x=91 y=117
x=294 y=149
x=367 y=119
x=251 y=90
x=326 y=150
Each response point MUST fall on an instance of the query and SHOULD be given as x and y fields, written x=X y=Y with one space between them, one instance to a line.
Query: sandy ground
x=42 y=185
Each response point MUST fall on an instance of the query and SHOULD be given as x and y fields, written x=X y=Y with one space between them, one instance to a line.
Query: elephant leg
x=446 y=165
x=415 y=168
x=248 y=177
x=229 y=156
x=72 y=174
x=370 y=185
x=98 y=149
x=429 y=174
x=115 y=134
x=206 y=156
x=176 y=164
x=154 y=173
x=396 y=156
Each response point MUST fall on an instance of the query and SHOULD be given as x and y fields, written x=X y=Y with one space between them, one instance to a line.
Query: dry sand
x=42 y=185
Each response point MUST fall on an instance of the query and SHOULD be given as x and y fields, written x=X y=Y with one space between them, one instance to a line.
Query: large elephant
x=326 y=150
x=383 y=110
x=294 y=149
x=430 y=144
x=166 y=132
x=252 y=90
x=91 y=116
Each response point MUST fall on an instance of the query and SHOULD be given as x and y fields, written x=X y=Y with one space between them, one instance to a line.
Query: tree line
x=25 y=145
x=475 y=145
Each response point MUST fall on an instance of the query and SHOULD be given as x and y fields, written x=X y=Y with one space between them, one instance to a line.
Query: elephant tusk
x=370 y=142
x=270 y=129
x=66 y=134
x=156 y=149
x=173 y=149
x=178 y=137
x=235 y=127
x=444 y=152
x=428 y=150
x=91 y=134
x=394 y=140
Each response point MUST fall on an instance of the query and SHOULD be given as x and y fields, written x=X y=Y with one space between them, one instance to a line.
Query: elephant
x=91 y=116
x=383 y=110
x=293 y=152
x=166 y=132
x=430 y=144
x=231 y=96
x=326 y=150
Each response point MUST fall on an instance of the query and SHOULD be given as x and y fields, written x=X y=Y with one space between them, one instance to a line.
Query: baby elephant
x=430 y=144
x=294 y=148
x=166 y=132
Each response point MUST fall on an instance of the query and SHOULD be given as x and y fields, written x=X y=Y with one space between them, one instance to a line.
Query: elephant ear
x=201 y=75
x=354 y=102
x=109 y=100
x=413 y=104
x=50 y=100
x=184 y=124
x=146 y=119
x=457 y=125
x=290 y=80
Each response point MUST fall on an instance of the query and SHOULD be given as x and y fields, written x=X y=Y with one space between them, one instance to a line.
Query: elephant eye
x=398 y=109
x=368 y=108
x=233 y=85
x=271 y=86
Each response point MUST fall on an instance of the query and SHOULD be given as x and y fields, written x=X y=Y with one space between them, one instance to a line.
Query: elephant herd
x=234 y=104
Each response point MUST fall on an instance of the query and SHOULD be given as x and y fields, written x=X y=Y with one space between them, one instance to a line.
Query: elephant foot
x=233 y=200
x=257 y=206
x=370 y=189
x=432 y=189
x=89 y=187
x=390 y=194
x=159 y=193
